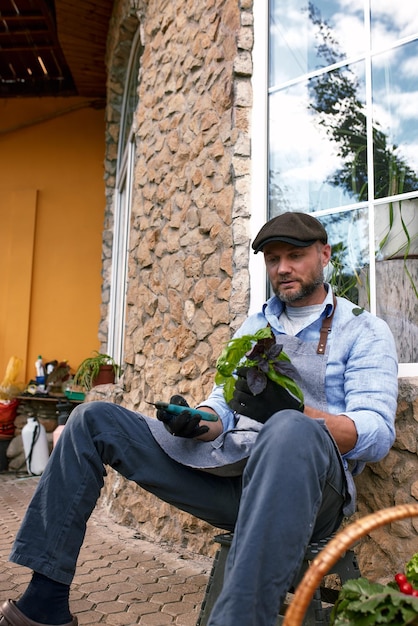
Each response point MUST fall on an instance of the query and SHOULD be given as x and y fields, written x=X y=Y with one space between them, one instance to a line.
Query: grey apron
x=228 y=453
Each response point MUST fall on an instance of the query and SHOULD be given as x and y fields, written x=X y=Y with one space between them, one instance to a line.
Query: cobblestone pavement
x=121 y=579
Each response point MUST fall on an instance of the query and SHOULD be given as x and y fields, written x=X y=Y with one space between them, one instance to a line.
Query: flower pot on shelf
x=98 y=369
x=106 y=376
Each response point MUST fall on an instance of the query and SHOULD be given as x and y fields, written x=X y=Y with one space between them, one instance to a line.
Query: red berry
x=414 y=593
x=401 y=578
x=406 y=588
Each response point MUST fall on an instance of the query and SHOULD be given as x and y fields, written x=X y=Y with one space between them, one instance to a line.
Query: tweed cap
x=298 y=229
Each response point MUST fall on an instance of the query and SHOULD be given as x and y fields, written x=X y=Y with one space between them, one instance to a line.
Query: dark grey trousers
x=292 y=491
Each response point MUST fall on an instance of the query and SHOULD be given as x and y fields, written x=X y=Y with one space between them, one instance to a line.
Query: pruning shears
x=178 y=408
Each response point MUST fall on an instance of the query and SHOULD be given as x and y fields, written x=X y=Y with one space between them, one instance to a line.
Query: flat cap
x=298 y=229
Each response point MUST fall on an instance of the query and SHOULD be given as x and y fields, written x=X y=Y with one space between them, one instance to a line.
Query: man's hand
x=184 y=424
x=273 y=398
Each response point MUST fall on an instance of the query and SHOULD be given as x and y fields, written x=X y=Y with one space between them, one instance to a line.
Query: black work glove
x=273 y=398
x=183 y=424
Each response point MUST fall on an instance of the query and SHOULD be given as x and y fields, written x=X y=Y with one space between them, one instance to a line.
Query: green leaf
x=255 y=351
x=411 y=570
x=236 y=349
x=362 y=603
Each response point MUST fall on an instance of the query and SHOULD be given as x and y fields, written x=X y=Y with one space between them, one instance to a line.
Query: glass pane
x=396 y=230
x=348 y=235
x=305 y=36
x=396 y=226
x=391 y=22
x=317 y=135
x=395 y=120
x=131 y=98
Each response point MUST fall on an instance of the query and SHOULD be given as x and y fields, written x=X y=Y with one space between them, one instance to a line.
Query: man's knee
x=93 y=416
x=290 y=425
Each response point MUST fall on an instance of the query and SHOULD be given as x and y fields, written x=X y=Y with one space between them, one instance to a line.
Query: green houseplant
x=87 y=374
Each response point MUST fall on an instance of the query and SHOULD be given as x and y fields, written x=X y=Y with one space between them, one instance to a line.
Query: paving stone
x=121 y=580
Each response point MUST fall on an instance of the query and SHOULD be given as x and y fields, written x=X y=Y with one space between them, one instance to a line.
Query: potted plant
x=98 y=369
x=263 y=358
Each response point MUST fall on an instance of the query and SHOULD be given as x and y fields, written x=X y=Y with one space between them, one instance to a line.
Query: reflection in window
x=391 y=22
x=130 y=102
x=347 y=270
x=318 y=155
x=306 y=36
x=396 y=230
x=395 y=120
x=343 y=143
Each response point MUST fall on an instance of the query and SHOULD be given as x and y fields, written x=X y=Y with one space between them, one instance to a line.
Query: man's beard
x=305 y=289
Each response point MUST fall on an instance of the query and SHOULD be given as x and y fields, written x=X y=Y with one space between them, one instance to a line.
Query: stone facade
x=189 y=244
x=388 y=483
x=188 y=281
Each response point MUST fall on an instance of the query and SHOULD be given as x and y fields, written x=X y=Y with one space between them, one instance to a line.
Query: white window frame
x=122 y=221
x=259 y=150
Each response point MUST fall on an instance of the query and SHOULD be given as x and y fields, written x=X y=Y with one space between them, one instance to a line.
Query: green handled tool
x=177 y=408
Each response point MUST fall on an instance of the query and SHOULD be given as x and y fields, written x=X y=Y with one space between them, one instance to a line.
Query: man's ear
x=326 y=254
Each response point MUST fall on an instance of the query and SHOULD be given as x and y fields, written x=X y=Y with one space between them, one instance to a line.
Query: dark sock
x=46 y=601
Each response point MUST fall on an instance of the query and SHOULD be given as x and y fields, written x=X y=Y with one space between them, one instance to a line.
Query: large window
x=122 y=211
x=342 y=143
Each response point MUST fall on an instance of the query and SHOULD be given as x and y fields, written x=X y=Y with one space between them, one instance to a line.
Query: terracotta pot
x=105 y=376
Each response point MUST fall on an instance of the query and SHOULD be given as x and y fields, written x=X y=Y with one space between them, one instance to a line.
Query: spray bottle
x=40 y=373
x=35 y=445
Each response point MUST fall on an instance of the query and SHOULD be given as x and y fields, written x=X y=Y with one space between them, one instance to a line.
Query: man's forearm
x=341 y=427
x=215 y=428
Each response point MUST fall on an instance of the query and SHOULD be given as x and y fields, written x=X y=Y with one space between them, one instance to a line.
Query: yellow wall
x=52 y=206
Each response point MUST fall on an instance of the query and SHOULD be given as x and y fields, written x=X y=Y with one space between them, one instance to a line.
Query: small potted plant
x=98 y=369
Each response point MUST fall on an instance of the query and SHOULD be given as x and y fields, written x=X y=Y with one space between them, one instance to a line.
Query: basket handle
x=332 y=552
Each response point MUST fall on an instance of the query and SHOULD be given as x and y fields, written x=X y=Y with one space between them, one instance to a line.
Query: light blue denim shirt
x=361 y=373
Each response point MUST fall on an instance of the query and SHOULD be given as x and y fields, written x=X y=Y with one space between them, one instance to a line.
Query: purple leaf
x=264 y=366
x=256 y=380
x=274 y=351
x=285 y=368
x=261 y=347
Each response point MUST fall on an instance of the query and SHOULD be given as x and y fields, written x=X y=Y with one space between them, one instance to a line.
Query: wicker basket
x=332 y=553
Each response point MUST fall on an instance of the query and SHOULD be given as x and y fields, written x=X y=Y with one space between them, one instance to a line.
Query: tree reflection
x=339 y=110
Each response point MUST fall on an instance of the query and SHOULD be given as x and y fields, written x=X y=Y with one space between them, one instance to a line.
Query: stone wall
x=189 y=241
x=391 y=482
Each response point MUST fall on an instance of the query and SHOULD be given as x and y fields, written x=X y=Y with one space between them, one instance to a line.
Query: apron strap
x=326 y=329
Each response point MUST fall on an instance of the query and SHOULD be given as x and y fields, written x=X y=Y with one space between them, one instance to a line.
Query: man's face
x=296 y=274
